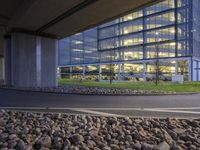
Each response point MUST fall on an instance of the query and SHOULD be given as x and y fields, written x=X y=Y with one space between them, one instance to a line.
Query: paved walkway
x=146 y=106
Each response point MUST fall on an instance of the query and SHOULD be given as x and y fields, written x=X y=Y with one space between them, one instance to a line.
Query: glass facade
x=169 y=30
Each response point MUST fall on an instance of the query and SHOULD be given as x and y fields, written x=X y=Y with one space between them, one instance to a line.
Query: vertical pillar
x=58 y=73
x=144 y=71
x=49 y=62
x=38 y=61
x=99 y=73
x=83 y=72
x=122 y=71
x=1 y=70
x=7 y=60
x=70 y=72
x=190 y=68
x=198 y=70
x=119 y=72
x=33 y=61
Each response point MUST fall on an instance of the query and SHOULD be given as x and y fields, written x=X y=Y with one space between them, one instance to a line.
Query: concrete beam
x=52 y=17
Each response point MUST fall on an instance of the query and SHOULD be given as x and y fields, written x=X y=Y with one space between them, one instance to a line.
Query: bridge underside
x=51 y=19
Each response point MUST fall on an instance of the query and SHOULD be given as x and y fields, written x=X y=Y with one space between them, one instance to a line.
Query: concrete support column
x=7 y=61
x=49 y=62
x=33 y=61
x=99 y=74
x=1 y=70
x=119 y=72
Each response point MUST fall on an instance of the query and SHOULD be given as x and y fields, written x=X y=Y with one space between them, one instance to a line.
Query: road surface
x=181 y=106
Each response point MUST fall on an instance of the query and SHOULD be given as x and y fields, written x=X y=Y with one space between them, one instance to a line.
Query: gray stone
x=187 y=137
x=146 y=146
x=162 y=146
x=96 y=148
x=167 y=137
x=74 y=148
x=193 y=147
x=12 y=136
x=38 y=130
x=91 y=143
x=106 y=148
x=174 y=146
x=93 y=133
x=12 y=144
x=67 y=143
x=44 y=148
x=114 y=147
x=3 y=136
x=129 y=138
x=44 y=141
x=22 y=145
x=77 y=138
x=84 y=148
x=2 y=122
x=179 y=130
x=138 y=146
x=128 y=121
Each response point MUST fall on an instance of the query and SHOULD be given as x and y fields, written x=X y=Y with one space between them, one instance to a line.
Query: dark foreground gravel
x=44 y=131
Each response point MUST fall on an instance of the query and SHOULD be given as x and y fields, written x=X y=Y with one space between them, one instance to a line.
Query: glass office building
x=130 y=46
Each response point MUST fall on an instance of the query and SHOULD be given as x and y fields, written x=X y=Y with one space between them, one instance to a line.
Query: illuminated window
x=132 y=16
x=164 y=35
x=133 y=26
x=133 y=39
x=165 y=5
x=162 y=50
x=160 y=20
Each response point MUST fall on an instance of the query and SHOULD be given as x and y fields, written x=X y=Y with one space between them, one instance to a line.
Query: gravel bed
x=73 y=89
x=44 y=131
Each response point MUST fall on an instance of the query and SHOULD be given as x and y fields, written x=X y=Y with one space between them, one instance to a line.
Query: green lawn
x=163 y=86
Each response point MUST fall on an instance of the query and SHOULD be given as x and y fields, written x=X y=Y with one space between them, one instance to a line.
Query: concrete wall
x=33 y=61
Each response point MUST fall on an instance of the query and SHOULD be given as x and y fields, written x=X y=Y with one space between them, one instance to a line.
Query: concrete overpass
x=29 y=30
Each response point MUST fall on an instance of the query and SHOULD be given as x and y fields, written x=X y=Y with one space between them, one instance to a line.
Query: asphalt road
x=146 y=106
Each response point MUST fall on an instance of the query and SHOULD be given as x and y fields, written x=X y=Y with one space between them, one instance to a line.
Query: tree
x=157 y=65
x=111 y=67
x=158 y=68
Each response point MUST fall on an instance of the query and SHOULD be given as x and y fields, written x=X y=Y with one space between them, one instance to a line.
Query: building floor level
x=135 y=71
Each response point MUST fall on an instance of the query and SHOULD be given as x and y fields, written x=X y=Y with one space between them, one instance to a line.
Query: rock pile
x=44 y=131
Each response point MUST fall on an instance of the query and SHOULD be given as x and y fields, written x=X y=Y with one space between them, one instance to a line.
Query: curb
x=85 y=94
